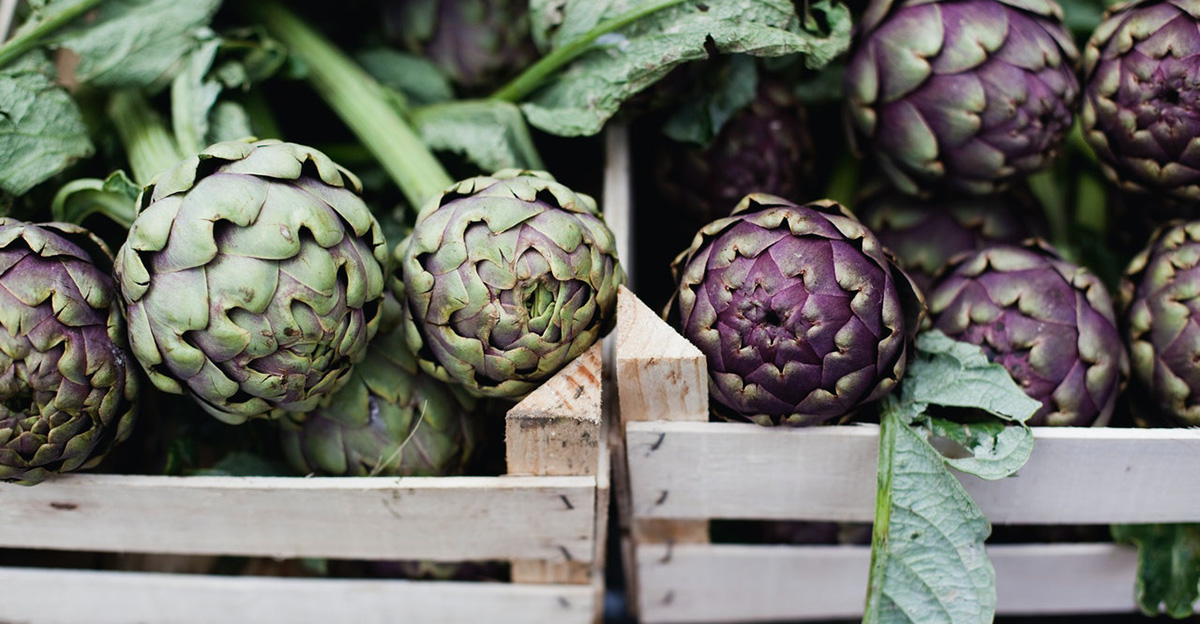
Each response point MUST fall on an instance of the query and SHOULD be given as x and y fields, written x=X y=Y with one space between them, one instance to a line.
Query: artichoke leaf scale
x=971 y=33
x=905 y=45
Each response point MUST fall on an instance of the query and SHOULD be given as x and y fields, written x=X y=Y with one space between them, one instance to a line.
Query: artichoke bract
x=1050 y=322
x=926 y=234
x=1141 y=103
x=962 y=95
x=252 y=278
x=505 y=279
x=390 y=419
x=1161 y=298
x=800 y=313
x=67 y=383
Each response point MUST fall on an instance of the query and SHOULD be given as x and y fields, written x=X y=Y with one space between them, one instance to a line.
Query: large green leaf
x=489 y=133
x=589 y=91
x=41 y=129
x=1168 y=576
x=957 y=374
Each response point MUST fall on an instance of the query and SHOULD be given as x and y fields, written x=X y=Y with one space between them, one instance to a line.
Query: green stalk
x=883 y=513
x=360 y=102
x=147 y=141
x=31 y=38
x=1091 y=202
x=537 y=74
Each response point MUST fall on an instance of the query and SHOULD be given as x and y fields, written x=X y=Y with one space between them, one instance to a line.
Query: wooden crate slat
x=1075 y=476
x=36 y=596
x=725 y=583
x=439 y=518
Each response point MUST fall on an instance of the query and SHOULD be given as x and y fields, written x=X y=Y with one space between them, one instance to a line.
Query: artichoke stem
x=540 y=72
x=147 y=141
x=360 y=102
x=30 y=39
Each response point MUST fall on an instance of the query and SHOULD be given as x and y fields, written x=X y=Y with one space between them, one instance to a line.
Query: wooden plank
x=618 y=194
x=36 y=596
x=438 y=518
x=726 y=583
x=661 y=375
x=740 y=470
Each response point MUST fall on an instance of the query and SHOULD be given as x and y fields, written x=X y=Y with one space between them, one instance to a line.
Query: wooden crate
x=547 y=516
x=676 y=471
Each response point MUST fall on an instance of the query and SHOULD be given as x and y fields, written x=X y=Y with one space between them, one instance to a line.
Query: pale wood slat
x=44 y=596
x=1075 y=476
x=440 y=518
x=726 y=583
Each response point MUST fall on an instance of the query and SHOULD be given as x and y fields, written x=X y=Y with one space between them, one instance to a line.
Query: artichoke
x=252 y=278
x=1161 y=298
x=477 y=43
x=67 y=394
x=962 y=95
x=800 y=312
x=389 y=419
x=1049 y=322
x=505 y=279
x=1141 y=102
x=926 y=234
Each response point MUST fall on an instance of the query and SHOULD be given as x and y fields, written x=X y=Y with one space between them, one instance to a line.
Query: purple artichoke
x=67 y=391
x=1161 y=297
x=926 y=234
x=1141 y=104
x=1049 y=322
x=962 y=95
x=801 y=314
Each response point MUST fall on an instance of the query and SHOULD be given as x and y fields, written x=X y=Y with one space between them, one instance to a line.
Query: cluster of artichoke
x=255 y=280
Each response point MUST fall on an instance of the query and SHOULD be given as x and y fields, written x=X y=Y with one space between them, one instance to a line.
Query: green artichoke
x=962 y=95
x=800 y=312
x=1051 y=323
x=252 y=278
x=390 y=419
x=67 y=392
x=1161 y=298
x=505 y=279
x=1141 y=104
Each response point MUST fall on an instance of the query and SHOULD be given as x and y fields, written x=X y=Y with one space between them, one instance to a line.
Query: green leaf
x=957 y=374
x=1168 y=578
x=416 y=77
x=489 y=133
x=245 y=464
x=928 y=562
x=193 y=94
x=41 y=129
x=127 y=43
x=700 y=119
x=114 y=197
x=590 y=90
x=986 y=448
x=228 y=121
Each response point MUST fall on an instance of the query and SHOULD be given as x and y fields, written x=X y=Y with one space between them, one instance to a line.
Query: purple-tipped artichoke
x=1141 y=104
x=801 y=314
x=67 y=389
x=252 y=278
x=926 y=234
x=477 y=43
x=1049 y=322
x=390 y=419
x=962 y=95
x=1161 y=298
x=506 y=278
x=764 y=148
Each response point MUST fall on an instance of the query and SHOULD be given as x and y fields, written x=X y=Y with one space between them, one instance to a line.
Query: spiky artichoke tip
x=68 y=385
x=505 y=279
x=252 y=278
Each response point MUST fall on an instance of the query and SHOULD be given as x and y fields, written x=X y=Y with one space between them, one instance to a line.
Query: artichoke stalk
x=1051 y=323
x=252 y=278
x=505 y=279
x=67 y=386
x=799 y=311
x=1161 y=303
x=1141 y=104
x=962 y=95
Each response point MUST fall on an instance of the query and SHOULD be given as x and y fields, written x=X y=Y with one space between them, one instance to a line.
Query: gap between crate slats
x=122 y=597
x=725 y=583
x=1076 y=475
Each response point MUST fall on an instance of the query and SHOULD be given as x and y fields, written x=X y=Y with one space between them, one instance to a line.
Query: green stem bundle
x=145 y=135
